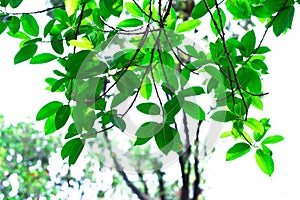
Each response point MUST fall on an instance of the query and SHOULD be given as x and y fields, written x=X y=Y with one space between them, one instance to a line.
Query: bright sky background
x=23 y=94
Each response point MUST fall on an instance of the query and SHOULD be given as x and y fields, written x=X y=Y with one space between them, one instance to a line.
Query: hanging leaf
x=72 y=149
x=284 y=20
x=146 y=88
x=50 y=125
x=118 y=122
x=14 y=24
x=237 y=151
x=200 y=9
x=127 y=23
x=265 y=162
x=164 y=138
x=84 y=43
x=62 y=116
x=48 y=110
x=42 y=58
x=57 y=44
x=223 y=116
x=25 y=53
x=48 y=27
x=149 y=108
x=192 y=91
x=133 y=9
x=30 y=25
x=255 y=125
x=248 y=41
x=273 y=139
x=71 y=6
x=239 y=8
x=188 y=25
x=193 y=110
x=218 y=19
x=114 y=6
x=148 y=130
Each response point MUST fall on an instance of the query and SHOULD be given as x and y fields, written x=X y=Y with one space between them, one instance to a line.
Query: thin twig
x=36 y=12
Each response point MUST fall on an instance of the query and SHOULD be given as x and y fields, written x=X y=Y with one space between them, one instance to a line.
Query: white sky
x=22 y=95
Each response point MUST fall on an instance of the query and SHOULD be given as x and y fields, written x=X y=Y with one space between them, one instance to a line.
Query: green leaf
x=274 y=5
x=192 y=51
x=100 y=104
x=58 y=85
x=62 y=116
x=25 y=53
x=248 y=41
x=130 y=23
x=149 y=108
x=71 y=6
x=118 y=122
x=30 y=25
x=3 y=26
x=128 y=82
x=214 y=72
x=48 y=110
x=114 y=6
x=192 y=91
x=255 y=125
x=133 y=9
x=75 y=61
x=48 y=27
x=184 y=76
x=72 y=149
x=14 y=24
x=15 y=3
x=50 y=125
x=265 y=162
x=141 y=141
x=84 y=43
x=223 y=116
x=283 y=20
x=148 y=130
x=171 y=107
x=273 y=139
x=258 y=64
x=249 y=79
x=62 y=16
x=226 y=134
x=200 y=9
x=164 y=138
x=257 y=103
x=72 y=131
x=237 y=151
x=42 y=58
x=239 y=8
x=218 y=21
x=263 y=50
x=193 y=110
x=188 y=25
x=146 y=88
x=118 y=99
x=57 y=44
x=19 y=35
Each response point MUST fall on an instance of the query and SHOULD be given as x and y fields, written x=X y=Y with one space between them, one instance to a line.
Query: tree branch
x=36 y=12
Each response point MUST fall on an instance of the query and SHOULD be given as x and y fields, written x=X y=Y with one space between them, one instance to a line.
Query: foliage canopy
x=154 y=74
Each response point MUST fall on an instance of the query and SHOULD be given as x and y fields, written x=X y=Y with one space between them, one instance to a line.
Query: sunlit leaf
x=265 y=162
x=237 y=151
x=188 y=25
